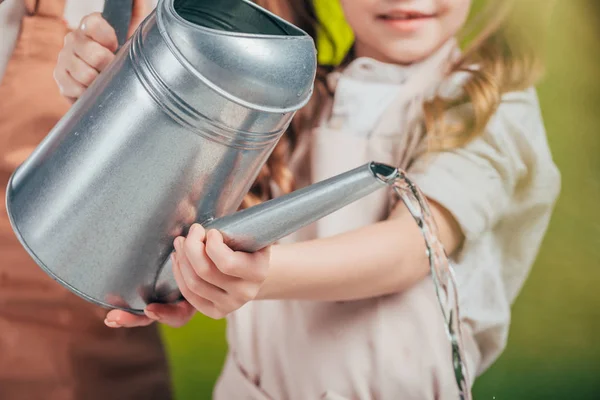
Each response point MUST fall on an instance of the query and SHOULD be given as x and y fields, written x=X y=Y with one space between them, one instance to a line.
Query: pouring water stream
x=442 y=274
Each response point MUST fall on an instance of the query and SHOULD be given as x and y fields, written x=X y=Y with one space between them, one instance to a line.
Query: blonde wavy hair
x=503 y=41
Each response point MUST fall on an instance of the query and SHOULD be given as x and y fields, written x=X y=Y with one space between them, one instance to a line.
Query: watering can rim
x=218 y=32
x=165 y=9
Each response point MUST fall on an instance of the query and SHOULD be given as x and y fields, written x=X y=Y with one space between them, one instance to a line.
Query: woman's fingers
x=68 y=86
x=175 y=315
x=99 y=30
x=81 y=71
x=120 y=318
x=92 y=53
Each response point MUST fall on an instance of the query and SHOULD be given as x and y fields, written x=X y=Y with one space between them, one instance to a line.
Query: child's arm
x=379 y=259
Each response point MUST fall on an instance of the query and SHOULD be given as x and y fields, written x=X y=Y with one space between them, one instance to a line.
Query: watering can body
x=173 y=132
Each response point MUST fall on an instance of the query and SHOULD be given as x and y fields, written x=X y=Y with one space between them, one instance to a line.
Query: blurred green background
x=554 y=345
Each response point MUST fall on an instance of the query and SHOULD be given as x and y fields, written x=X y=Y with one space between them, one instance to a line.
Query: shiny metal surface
x=174 y=131
x=257 y=227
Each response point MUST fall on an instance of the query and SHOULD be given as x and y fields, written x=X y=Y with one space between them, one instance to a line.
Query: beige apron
x=388 y=347
x=395 y=346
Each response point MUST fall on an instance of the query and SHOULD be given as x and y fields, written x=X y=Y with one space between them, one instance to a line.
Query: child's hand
x=89 y=49
x=214 y=280
x=212 y=277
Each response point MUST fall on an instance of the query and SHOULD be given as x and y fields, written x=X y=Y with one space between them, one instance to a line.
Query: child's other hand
x=214 y=279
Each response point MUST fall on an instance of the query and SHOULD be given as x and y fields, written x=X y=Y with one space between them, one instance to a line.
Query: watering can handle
x=118 y=14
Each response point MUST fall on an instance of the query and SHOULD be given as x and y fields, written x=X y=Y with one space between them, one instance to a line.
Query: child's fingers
x=204 y=306
x=119 y=318
x=193 y=250
x=199 y=286
x=175 y=315
x=99 y=30
x=197 y=233
x=247 y=266
x=218 y=296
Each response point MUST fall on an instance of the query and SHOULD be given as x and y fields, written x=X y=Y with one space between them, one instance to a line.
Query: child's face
x=403 y=31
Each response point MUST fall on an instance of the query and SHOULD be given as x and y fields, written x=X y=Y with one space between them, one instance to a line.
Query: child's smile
x=406 y=21
x=403 y=31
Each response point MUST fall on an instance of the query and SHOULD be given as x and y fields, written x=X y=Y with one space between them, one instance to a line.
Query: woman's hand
x=86 y=52
x=89 y=49
x=214 y=280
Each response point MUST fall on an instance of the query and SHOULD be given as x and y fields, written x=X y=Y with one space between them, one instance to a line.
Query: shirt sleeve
x=476 y=183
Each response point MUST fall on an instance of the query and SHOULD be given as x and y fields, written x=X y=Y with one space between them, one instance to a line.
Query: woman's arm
x=378 y=259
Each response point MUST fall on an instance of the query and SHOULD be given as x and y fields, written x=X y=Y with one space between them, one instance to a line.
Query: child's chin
x=412 y=51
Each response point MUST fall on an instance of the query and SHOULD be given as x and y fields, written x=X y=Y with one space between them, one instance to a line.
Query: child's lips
x=406 y=21
x=399 y=13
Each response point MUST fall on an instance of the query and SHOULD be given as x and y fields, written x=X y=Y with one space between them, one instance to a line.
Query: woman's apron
x=54 y=345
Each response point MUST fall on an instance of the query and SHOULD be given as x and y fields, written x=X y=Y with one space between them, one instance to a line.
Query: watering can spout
x=257 y=227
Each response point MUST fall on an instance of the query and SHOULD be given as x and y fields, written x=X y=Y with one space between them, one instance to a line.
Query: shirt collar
x=366 y=69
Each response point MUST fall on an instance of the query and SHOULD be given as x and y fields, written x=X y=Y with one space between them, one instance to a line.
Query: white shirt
x=501 y=187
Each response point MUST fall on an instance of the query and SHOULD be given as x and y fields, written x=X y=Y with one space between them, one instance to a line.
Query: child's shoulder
x=520 y=103
x=517 y=110
x=453 y=87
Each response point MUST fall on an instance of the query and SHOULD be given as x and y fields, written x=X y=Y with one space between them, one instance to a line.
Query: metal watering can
x=173 y=132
